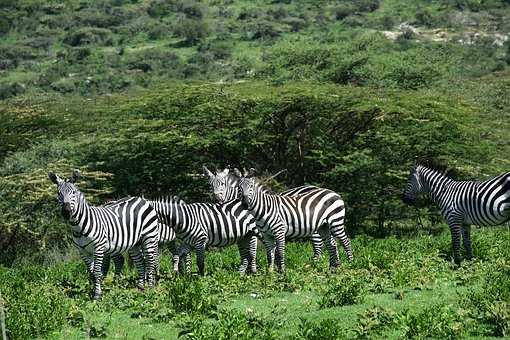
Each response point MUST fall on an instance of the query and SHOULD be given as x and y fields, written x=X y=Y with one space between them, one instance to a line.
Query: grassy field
x=395 y=288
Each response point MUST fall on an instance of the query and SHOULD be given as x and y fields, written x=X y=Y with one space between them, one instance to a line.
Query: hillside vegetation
x=140 y=95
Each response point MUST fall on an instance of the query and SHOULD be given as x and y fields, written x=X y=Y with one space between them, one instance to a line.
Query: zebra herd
x=247 y=211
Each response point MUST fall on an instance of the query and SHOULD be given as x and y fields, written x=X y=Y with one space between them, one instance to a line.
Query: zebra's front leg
x=456 y=232
x=244 y=253
x=200 y=249
x=99 y=254
x=280 y=251
x=466 y=238
x=88 y=259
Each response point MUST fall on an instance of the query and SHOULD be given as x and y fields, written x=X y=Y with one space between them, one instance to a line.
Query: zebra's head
x=413 y=187
x=247 y=187
x=223 y=184
x=67 y=193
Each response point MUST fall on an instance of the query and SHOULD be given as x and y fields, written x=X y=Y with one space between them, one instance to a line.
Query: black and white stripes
x=280 y=216
x=462 y=203
x=128 y=225
x=199 y=225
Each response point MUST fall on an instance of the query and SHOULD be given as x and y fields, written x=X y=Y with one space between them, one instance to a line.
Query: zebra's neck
x=81 y=218
x=434 y=184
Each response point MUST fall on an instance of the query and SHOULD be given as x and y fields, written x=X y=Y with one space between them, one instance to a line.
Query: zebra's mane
x=169 y=199
x=438 y=166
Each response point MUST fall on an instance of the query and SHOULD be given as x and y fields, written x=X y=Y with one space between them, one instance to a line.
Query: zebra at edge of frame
x=462 y=203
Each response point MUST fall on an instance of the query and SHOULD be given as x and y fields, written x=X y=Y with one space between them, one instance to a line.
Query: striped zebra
x=462 y=203
x=167 y=237
x=129 y=225
x=199 y=225
x=278 y=216
x=225 y=188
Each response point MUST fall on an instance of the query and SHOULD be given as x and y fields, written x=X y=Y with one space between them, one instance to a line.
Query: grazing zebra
x=225 y=188
x=128 y=225
x=277 y=216
x=199 y=225
x=462 y=203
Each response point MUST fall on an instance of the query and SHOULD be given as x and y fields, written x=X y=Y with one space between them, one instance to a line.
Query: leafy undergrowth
x=395 y=288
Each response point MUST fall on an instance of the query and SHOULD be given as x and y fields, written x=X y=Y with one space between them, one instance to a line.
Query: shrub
x=343 y=10
x=262 y=30
x=88 y=35
x=34 y=310
x=374 y=320
x=191 y=295
x=323 y=329
x=10 y=90
x=437 y=321
x=341 y=292
x=191 y=30
x=230 y=325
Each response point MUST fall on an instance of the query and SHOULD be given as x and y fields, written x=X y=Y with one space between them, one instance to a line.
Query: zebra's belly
x=85 y=244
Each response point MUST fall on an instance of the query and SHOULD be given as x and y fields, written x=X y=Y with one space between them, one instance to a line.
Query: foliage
x=343 y=291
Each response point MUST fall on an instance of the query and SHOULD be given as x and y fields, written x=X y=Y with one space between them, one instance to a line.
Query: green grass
x=433 y=299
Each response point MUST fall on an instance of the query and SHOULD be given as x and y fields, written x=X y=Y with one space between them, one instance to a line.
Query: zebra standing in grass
x=199 y=225
x=225 y=188
x=128 y=225
x=277 y=216
x=462 y=203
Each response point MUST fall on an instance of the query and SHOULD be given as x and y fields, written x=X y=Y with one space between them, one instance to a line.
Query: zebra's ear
x=54 y=178
x=178 y=200
x=238 y=173
x=207 y=173
x=225 y=171
x=251 y=172
x=75 y=176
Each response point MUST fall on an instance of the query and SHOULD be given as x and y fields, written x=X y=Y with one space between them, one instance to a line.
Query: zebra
x=199 y=225
x=129 y=225
x=277 y=216
x=167 y=236
x=225 y=188
x=462 y=203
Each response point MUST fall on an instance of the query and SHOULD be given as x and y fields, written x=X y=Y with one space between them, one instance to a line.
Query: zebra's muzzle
x=66 y=211
x=407 y=200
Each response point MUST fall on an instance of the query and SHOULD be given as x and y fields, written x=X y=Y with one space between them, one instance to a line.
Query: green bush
x=191 y=296
x=191 y=30
x=438 y=321
x=324 y=329
x=88 y=35
x=343 y=291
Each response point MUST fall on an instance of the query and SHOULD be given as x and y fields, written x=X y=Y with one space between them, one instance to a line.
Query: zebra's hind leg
x=182 y=259
x=455 y=229
x=98 y=271
x=316 y=246
x=118 y=261
x=337 y=229
x=329 y=240
x=137 y=256
x=466 y=238
x=252 y=259
x=106 y=265
x=200 y=249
